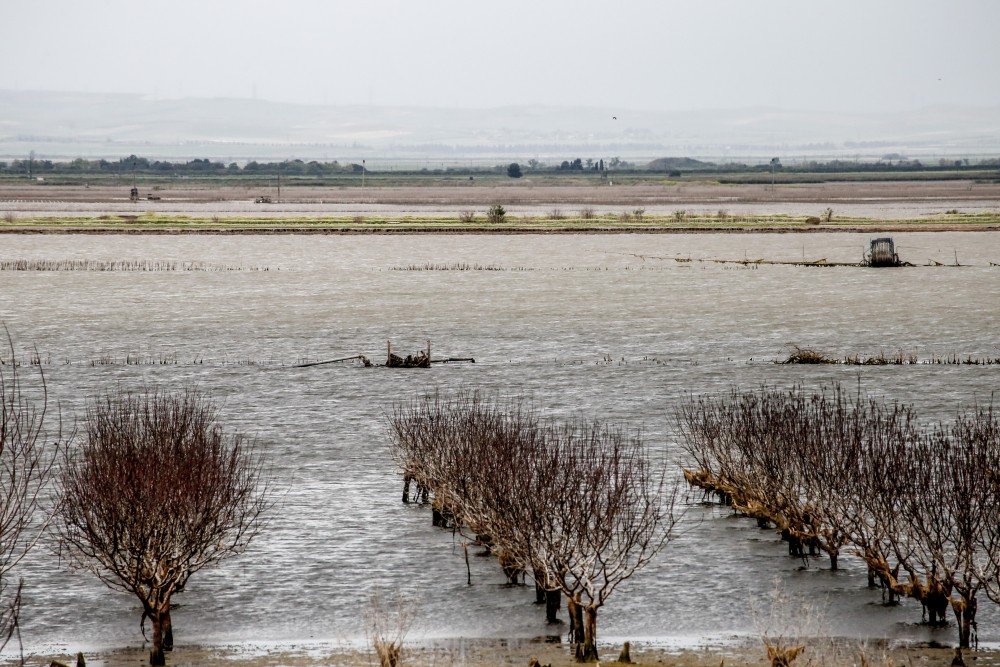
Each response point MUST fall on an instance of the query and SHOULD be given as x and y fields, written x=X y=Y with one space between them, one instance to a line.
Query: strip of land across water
x=522 y=653
x=515 y=208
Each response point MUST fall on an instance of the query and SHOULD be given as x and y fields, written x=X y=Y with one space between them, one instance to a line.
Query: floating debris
x=807 y=356
x=360 y=357
x=421 y=359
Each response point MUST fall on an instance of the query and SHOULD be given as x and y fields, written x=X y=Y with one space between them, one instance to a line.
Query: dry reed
x=457 y=266
x=138 y=265
x=808 y=356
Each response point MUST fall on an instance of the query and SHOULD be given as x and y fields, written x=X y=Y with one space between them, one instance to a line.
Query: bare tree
x=610 y=511
x=28 y=453
x=792 y=458
x=580 y=507
x=157 y=492
x=920 y=505
x=951 y=507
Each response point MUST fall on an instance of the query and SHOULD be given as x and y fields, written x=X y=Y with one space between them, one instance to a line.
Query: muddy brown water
x=609 y=325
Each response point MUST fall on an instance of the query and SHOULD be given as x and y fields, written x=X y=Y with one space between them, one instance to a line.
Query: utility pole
x=133 y=194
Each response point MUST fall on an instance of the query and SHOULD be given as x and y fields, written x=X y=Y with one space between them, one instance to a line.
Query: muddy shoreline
x=497 y=653
x=519 y=193
x=438 y=231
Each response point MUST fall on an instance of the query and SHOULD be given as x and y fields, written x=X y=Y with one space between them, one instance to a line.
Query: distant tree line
x=197 y=166
x=673 y=166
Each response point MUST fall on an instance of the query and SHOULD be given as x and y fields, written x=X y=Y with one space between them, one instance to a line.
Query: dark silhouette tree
x=157 y=492
x=514 y=170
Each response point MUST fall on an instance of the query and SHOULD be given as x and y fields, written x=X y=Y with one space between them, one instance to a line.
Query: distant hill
x=678 y=163
x=90 y=125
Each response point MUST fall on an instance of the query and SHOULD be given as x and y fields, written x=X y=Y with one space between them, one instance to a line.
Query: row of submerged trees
x=838 y=473
x=149 y=492
x=579 y=507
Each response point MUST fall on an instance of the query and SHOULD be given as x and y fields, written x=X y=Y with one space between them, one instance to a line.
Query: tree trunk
x=156 y=657
x=575 y=611
x=552 y=603
x=406 y=488
x=168 y=631
x=539 y=590
x=965 y=617
x=590 y=634
x=834 y=555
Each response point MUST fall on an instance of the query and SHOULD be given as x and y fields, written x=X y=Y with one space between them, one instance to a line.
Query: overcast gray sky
x=647 y=54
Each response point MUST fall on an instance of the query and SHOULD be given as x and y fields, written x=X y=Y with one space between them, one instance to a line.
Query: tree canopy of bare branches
x=28 y=453
x=920 y=504
x=157 y=492
x=581 y=506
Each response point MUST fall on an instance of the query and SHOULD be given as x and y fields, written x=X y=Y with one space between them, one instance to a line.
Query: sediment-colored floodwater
x=609 y=326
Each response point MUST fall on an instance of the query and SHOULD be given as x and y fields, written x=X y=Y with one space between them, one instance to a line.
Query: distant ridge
x=68 y=125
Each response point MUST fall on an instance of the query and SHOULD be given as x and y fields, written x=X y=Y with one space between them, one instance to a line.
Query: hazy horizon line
x=153 y=97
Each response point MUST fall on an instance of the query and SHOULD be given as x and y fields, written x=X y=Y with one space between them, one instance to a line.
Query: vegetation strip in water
x=809 y=356
x=139 y=265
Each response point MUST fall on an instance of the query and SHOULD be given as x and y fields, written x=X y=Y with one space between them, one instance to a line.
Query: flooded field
x=879 y=200
x=610 y=325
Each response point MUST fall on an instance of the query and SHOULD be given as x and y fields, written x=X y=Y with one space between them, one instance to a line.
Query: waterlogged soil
x=892 y=200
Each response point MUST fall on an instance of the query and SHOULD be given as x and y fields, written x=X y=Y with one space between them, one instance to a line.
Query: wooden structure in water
x=881 y=252
x=421 y=359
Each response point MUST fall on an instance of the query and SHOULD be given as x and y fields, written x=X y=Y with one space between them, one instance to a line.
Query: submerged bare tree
x=607 y=511
x=28 y=453
x=157 y=492
x=579 y=507
x=951 y=514
x=921 y=505
x=795 y=458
